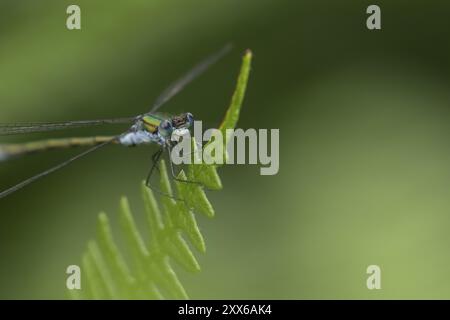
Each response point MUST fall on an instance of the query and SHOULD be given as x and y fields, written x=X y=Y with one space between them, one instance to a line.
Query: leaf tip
x=102 y=218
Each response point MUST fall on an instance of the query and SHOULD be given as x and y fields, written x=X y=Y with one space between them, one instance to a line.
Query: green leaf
x=232 y=116
x=145 y=271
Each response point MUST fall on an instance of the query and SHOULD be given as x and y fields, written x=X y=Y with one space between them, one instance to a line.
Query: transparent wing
x=20 y=128
x=178 y=85
x=53 y=169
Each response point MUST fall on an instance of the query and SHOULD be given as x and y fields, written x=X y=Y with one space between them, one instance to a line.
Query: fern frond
x=107 y=274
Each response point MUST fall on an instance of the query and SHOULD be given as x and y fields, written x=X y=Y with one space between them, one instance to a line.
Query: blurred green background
x=364 y=127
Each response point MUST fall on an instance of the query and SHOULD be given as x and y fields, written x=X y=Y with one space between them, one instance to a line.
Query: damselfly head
x=185 y=120
x=181 y=125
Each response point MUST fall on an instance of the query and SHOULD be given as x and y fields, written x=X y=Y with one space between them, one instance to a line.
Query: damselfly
x=147 y=128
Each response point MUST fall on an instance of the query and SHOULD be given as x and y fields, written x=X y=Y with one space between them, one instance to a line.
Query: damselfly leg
x=175 y=176
x=156 y=159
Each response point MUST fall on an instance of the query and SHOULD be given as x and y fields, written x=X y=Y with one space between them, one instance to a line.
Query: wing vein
x=53 y=169
x=178 y=85
x=34 y=127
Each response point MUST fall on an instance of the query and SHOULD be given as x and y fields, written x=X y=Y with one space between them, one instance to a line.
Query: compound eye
x=165 y=124
x=165 y=128
x=189 y=119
